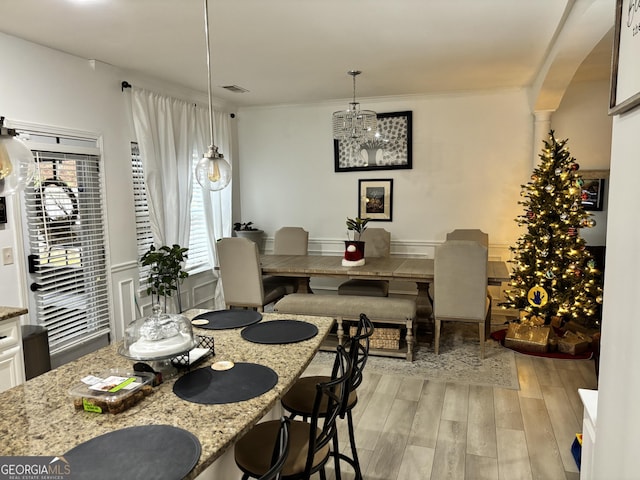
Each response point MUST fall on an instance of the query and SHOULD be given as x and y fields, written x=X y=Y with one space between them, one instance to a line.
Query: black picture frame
x=625 y=96
x=391 y=150
x=375 y=199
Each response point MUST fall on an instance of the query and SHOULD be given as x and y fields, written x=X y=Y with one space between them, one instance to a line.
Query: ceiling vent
x=235 y=88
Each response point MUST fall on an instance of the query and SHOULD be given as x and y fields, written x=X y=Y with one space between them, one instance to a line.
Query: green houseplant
x=165 y=273
x=354 y=248
x=248 y=230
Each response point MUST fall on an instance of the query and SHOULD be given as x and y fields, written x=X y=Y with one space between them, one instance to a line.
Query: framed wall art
x=375 y=199
x=389 y=150
x=593 y=193
x=625 y=68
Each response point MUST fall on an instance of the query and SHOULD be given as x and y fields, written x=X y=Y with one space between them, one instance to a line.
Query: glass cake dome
x=157 y=337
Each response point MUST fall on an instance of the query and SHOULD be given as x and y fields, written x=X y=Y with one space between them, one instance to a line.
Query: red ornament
x=572 y=231
x=531 y=215
x=575 y=166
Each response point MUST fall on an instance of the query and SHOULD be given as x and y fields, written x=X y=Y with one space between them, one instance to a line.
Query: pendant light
x=354 y=124
x=16 y=162
x=213 y=172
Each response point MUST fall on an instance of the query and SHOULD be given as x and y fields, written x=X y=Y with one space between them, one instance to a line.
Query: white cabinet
x=11 y=359
x=590 y=401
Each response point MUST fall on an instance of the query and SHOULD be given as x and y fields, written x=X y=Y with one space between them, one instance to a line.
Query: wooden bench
x=380 y=310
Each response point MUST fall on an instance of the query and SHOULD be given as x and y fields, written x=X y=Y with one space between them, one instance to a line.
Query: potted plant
x=166 y=272
x=247 y=230
x=354 y=248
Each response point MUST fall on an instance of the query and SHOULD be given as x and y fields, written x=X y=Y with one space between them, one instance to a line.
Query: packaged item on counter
x=112 y=391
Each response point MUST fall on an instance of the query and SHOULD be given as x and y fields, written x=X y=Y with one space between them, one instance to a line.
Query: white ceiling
x=297 y=51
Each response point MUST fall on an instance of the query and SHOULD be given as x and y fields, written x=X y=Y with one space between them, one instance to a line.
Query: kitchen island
x=38 y=417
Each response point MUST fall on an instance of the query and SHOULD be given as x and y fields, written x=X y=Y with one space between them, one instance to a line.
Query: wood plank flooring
x=414 y=429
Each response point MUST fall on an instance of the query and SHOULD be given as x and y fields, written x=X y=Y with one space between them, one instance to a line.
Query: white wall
x=618 y=421
x=43 y=86
x=582 y=118
x=471 y=153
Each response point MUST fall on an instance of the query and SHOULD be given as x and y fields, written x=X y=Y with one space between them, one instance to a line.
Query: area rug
x=458 y=362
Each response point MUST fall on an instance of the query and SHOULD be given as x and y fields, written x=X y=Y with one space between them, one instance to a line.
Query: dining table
x=419 y=270
x=39 y=419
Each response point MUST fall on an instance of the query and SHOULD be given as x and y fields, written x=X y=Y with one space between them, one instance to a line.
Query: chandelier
x=213 y=172
x=354 y=124
x=16 y=161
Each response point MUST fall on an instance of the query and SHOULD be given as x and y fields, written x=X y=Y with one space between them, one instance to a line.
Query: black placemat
x=227 y=319
x=150 y=451
x=280 y=331
x=241 y=382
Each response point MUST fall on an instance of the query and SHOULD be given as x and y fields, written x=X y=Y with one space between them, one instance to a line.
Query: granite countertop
x=38 y=417
x=10 y=312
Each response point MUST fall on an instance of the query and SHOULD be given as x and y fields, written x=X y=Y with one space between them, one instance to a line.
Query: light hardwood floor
x=413 y=429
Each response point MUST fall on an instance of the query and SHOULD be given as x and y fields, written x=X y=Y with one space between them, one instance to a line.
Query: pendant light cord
x=206 y=34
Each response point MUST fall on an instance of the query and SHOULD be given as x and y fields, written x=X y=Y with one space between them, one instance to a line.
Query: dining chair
x=242 y=281
x=474 y=234
x=300 y=397
x=290 y=241
x=280 y=452
x=377 y=243
x=309 y=442
x=460 y=287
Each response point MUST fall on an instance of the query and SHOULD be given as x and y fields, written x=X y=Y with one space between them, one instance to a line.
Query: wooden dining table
x=408 y=269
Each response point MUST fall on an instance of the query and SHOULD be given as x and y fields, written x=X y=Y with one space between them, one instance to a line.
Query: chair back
x=377 y=242
x=460 y=280
x=359 y=350
x=291 y=241
x=240 y=272
x=469 y=234
x=280 y=452
x=328 y=406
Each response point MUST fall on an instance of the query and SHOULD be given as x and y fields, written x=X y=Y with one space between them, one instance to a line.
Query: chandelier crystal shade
x=16 y=162
x=213 y=172
x=354 y=124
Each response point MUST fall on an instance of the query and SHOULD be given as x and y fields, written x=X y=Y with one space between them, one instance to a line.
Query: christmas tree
x=554 y=275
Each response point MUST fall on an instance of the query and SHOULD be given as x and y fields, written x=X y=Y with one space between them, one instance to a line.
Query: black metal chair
x=299 y=399
x=280 y=452
x=309 y=442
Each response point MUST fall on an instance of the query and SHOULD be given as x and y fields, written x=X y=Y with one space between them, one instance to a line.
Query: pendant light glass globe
x=213 y=172
x=16 y=162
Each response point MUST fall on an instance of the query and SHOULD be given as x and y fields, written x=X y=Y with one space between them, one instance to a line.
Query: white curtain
x=217 y=205
x=165 y=130
x=172 y=135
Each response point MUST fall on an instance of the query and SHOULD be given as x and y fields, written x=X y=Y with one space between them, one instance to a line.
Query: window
x=198 y=254
x=63 y=210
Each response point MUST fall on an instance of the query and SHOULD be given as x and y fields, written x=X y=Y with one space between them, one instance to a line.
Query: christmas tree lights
x=554 y=275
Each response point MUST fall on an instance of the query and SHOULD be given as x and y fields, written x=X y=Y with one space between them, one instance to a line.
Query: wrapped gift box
x=573 y=343
x=527 y=338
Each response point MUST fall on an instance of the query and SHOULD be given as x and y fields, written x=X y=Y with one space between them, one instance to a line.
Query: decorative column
x=541 y=127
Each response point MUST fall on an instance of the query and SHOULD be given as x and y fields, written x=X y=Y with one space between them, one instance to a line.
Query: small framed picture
x=375 y=199
x=592 y=196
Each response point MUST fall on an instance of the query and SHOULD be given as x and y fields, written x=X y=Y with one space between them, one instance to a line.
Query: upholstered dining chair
x=474 y=234
x=290 y=241
x=300 y=397
x=482 y=238
x=460 y=287
x=377 y=244
x=242 y=281
x=309 y=442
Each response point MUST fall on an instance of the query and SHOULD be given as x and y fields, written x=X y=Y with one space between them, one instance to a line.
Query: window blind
x=66 y=242
x=198 y=254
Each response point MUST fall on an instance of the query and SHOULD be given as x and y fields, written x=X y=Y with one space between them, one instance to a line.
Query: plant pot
x=353 y=253
x=256 y=236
